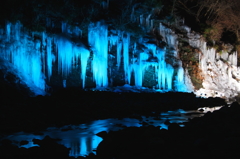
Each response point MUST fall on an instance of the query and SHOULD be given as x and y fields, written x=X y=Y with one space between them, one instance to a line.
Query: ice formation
x=220 y=71
x=98 y=40
x=37 y=55
x=25 y=55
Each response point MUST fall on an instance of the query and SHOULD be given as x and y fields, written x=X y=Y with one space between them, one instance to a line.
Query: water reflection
x=82 y=139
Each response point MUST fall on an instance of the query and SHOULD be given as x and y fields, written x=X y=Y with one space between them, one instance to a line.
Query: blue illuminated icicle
x=171 y=39
x=113 y=40
x=116 y=40
x=8 y=31
x=119 y=51
x=34 y=58
x=65 y=51
x=65 y=55
x=164 y=72
x=169 y=70
x=127 y=70
x=50 y=57
x=139 y=69
x=84 y=59
x=98 y=40
x=25 y=56
x=152 y=48
x=179 y=82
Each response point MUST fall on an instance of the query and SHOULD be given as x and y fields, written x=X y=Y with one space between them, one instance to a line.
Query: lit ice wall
x=167 y=77
x=35 y=56
x=25 y=55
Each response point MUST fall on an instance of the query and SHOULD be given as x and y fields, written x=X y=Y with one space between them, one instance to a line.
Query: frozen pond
x=82 y=139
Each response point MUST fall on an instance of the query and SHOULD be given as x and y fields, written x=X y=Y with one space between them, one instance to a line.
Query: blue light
x=98 y=40
x=35 y=59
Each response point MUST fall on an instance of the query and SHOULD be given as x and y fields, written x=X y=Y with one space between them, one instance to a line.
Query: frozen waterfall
x=98 y=40
x=40 y=56
x=25 y=55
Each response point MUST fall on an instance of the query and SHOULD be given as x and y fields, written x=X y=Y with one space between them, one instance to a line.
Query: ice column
x=98 y=40
x=50 y=57
x=139 y=68
x=84 y=60
x=119 y=51
x=126 y=42
x=233 y=58
x=65 y=55
x=8 y=30
x=179 y=81
x=164 y=72
x=116 y=40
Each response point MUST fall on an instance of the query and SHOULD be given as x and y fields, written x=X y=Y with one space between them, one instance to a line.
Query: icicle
x=50 y=57
x=98 y=40
x=25 y=56
x=152 y=48
x=17 y=31
x=211 y=54
x=119 y=51
x=139 y=69
x=126 y=42
x=65 y=55
x=169 y=76
x=179 y=82
x=233 y=58
x=141 y=19
x=84 y=60
x=113 y=40
x=162 y=31
x=8 y=31
x=164 y=72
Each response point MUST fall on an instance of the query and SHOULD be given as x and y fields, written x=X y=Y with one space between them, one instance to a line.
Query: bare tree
x=220 y=14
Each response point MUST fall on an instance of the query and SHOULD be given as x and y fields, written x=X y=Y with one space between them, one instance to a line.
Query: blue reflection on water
x=82 y=139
